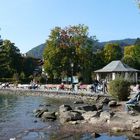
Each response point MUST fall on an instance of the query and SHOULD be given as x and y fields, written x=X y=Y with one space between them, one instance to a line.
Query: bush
x=119 y=88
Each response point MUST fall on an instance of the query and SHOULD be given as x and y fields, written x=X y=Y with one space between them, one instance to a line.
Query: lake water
x=17 y=121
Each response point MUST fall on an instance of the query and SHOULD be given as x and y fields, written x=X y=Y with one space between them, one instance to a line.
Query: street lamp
x=72 y=65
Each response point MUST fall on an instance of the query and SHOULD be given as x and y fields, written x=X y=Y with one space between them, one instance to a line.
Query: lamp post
x=72 y=73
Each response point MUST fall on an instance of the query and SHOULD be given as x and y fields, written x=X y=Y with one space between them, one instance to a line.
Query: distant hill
x=38 y=50
x=122 y=43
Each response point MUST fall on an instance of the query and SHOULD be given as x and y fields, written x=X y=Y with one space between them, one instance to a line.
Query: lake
x=17 y=121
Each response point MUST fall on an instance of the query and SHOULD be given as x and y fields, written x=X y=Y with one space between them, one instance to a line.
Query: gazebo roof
x=116 y=66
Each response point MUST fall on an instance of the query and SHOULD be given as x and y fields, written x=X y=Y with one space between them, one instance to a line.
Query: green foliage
x=66 y=46
x=129 y=50
x=137 y=56
x=112 y=52
x=10 y=59
x=13 y=65
x=129 y=60
x=132 y=55
x=119 y=88
x=37 y=52
x=29 y=64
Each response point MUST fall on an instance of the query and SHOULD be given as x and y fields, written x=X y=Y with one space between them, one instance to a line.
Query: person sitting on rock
x=133 y=102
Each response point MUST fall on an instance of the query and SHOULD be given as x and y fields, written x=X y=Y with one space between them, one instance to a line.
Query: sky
x=28 y=23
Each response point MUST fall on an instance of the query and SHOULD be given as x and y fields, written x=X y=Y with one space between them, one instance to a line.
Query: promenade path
x=53 y=89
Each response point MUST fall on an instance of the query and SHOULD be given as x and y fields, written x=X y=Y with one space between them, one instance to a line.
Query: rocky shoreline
x=95 y=115
x=113 y=119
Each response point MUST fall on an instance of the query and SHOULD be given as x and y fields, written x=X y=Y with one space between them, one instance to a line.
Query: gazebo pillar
x=136 y=77
x=113 y=76
x=97 y=76
x=126 y=76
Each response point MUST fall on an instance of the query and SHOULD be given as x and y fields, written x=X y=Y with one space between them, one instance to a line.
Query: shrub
x=119 y=88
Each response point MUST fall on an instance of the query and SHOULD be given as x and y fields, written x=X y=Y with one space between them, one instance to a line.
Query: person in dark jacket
x=95 y=83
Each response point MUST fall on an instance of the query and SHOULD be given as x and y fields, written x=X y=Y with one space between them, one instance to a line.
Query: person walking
x=95 y=83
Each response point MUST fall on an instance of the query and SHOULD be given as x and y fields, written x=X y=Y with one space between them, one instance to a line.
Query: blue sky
x=27 y=23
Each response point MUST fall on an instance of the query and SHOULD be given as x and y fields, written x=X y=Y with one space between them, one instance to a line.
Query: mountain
x=122 y=43
x=38 y=50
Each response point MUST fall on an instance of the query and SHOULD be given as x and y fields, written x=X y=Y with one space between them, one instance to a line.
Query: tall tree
x=70 y=45
x=10 y=59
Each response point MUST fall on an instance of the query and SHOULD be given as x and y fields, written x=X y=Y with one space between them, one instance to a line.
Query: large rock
x=135 y=125
x=70 y=116
x=86 y=108
x=64 y=108
x=99 y=106
x=40 y=109
x=88 y=115
x=95 y=135
x=48 y=116
x=118 y=129
x=105 y=115
x=112 y=103
x=38 y=112
x=95 y=120
x=79 y=102
x=105 y=100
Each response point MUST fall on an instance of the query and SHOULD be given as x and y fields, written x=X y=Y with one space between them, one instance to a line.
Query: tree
x=119 y=88
x=137 y=56
x=112 y=52
x=129 y=50
x=129 y=57
x=69 y=45
x=29 y=65
x=132 y=55
x=129 y=60
x=10 y=59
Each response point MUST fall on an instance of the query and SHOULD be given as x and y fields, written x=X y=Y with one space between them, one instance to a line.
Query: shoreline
x=120 y=122
x=54 y=94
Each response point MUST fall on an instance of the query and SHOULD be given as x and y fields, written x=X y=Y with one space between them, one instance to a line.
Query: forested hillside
x=38 y=50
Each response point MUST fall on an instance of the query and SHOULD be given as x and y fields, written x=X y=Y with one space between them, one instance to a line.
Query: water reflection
x=17 y=120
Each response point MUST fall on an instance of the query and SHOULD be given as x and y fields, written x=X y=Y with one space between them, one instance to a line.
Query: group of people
x=33 y=85
x=96 y=86
x=99 y=86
